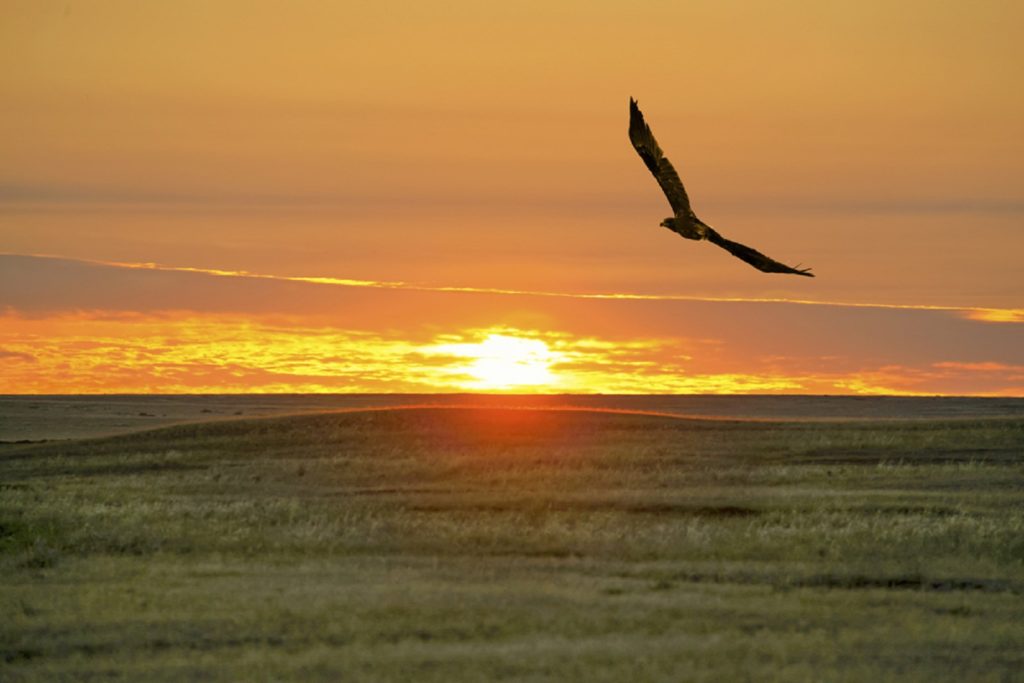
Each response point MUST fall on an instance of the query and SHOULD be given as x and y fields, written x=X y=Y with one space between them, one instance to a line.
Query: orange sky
x=473 y=145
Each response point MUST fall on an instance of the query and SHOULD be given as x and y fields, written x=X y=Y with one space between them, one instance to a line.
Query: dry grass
x=531 y=545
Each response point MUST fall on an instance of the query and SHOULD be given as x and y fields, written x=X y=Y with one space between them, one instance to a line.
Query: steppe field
x=497 y=543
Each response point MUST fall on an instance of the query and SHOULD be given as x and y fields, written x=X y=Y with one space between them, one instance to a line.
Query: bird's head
x=669 y=223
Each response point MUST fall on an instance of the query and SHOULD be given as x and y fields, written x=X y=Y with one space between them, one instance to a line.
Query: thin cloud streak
x=981 y=314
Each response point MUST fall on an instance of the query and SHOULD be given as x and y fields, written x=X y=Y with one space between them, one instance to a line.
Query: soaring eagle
x=685 y=222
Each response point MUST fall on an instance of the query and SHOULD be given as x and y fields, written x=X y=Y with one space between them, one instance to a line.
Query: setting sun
x=503 y=362
x=340 y=197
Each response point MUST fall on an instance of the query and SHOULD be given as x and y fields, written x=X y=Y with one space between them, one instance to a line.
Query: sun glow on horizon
x=172 y=352
x=502 y=362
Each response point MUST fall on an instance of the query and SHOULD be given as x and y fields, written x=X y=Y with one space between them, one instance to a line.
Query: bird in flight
x=685 y=221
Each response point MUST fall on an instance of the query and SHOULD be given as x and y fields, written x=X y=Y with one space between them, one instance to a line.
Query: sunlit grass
x=445 y=544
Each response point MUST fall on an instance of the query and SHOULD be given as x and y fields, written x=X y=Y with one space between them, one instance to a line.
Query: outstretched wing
x=647 y=147
x=753 y=256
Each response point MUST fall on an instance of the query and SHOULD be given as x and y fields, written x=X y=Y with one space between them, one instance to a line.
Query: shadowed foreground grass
x=478 y=544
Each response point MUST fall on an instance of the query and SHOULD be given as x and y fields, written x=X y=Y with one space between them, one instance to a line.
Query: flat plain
x=441 y=543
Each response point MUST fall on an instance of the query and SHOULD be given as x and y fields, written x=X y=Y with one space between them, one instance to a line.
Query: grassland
x=482 y=544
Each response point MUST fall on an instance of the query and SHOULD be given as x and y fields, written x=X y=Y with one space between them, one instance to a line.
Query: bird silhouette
x=685 y=221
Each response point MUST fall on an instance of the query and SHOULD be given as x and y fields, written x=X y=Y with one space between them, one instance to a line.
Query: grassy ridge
x=537 y=545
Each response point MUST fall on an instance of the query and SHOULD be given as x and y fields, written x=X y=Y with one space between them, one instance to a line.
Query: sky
x=387 y=196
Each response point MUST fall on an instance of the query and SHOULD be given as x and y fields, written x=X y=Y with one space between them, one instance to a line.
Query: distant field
x=491 y=543
x=37 y=418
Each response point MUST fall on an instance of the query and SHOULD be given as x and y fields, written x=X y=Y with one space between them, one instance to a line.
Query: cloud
x=16 y=356
x=944 y=377
x=981 y=367
x=98 y=327
x=84 y=353
x=995 y=315
x=189 y=352
x=34 y=268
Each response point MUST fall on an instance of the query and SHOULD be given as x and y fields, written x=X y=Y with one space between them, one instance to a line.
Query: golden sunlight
x=188 y=352
x=502 y=361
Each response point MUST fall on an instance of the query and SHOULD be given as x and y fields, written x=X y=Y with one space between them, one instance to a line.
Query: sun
x=502 y=362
